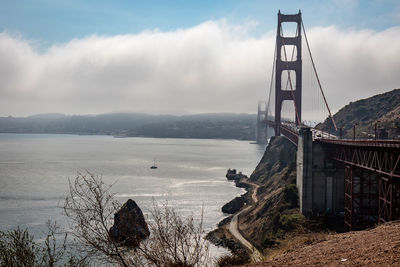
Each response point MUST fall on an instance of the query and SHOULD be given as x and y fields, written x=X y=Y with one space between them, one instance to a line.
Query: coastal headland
x=266 y=223
x=266 y=227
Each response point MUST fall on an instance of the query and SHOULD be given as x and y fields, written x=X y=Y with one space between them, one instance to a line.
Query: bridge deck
x=363 y=143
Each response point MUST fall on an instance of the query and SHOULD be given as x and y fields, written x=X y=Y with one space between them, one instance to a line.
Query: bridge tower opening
x=283 y=63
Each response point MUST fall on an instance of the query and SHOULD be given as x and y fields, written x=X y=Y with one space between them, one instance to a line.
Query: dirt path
x=234 y=228
x=255 y=190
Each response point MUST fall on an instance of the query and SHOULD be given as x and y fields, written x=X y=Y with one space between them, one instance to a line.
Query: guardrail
x=365 y=143
x=290 y=134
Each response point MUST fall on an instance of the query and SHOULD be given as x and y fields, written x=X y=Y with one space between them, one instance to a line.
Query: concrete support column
x=304 y=179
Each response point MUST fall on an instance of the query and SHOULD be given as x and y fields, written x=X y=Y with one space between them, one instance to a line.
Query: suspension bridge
x=358 y=178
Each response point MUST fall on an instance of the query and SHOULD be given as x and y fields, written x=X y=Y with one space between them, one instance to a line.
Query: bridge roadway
x=291 y=132
x=381 y=156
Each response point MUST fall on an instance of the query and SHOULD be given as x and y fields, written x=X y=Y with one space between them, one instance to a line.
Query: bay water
x=35 y=168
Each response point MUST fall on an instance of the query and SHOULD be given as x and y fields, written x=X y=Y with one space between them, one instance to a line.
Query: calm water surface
x=34 y=173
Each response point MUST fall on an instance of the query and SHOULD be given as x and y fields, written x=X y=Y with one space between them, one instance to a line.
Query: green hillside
x=382 y=110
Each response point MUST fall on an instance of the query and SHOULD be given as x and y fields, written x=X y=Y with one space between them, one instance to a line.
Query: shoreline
x=135 y=136
x=222 y=236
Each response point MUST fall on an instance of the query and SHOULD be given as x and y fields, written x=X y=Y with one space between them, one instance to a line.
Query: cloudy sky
x=182 y=57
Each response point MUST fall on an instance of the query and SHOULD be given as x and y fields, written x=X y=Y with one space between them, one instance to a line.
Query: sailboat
x=154 y=165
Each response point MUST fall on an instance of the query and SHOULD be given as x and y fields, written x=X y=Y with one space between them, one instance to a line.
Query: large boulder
x=130 y=227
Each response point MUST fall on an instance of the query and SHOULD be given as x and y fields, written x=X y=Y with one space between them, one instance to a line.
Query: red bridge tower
x=294 y=68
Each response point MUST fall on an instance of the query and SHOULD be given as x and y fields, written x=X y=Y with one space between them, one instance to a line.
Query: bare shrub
x=173 y=241
x=53 y=253
x=90 y=207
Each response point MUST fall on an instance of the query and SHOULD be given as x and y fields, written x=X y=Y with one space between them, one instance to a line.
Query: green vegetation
x=18 y=248
x=281 y=225
x=382 y=110
x=291 y=195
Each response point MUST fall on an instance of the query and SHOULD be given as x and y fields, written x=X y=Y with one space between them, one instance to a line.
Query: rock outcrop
x=234 y=205
x=130 y=227
x=279 y=154
x=233 y=175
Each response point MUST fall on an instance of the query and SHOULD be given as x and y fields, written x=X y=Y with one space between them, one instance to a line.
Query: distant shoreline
x=201 y=126
x=116 y=136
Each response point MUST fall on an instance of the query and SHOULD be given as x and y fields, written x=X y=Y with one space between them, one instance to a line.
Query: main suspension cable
x=271 y=83
x=316 y=74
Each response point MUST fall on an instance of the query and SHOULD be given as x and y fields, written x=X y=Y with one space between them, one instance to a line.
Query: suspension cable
x=270 y=87
x=316 y=74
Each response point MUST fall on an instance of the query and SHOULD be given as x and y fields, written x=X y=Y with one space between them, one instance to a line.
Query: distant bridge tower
x=284 y=63
x=261 y=127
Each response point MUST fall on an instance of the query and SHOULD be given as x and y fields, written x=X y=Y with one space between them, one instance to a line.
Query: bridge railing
x=364 y=143
x=318 y=134
x=288 y=129
x=290 y=133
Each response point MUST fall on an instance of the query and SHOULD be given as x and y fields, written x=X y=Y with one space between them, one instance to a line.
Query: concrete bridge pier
x=320 y=181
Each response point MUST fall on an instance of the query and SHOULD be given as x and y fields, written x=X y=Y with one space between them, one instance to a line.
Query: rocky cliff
x=276 y=213
x=279 y=158
x=265 y=221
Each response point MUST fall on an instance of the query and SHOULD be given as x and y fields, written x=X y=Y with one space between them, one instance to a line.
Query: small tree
x=17 y=248
x=173 y=241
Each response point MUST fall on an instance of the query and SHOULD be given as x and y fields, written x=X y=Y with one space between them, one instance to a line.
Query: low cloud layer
x=213 y=67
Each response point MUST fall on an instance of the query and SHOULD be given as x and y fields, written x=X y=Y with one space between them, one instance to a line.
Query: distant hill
x=47 y=116
x=219 y=125
x=383 y=109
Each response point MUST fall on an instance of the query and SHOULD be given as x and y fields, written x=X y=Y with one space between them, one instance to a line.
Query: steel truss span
x=372 y=179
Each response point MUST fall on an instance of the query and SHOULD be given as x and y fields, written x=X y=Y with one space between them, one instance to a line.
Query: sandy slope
x=376 y=247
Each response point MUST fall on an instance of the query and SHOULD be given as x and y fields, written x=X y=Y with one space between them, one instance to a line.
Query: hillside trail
x=233 y=228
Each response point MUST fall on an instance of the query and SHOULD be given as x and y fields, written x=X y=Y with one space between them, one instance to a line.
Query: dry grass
x=379 y=246
x=293 y=242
